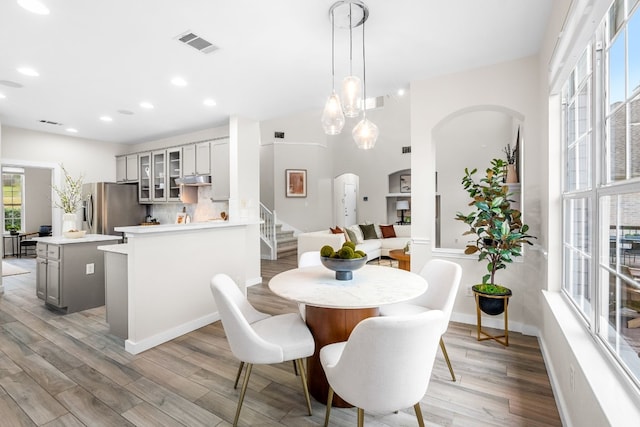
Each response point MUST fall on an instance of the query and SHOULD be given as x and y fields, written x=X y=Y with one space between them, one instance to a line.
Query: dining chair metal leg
x=446 y=358
x=360 y=417
x=303 y=378
x=416 y=408
x=245 y=382
x=329 y=402
x=295 y=368
x=235 y=385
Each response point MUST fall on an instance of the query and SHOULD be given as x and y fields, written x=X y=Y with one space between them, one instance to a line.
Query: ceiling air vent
x=197 y=42
x=406 y=150
x=49 y=122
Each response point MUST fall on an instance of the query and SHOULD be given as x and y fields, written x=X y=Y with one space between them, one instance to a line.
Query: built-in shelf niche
x=395 y=194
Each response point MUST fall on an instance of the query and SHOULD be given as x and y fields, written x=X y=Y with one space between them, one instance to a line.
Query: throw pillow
x=357 y=237
x=336 y=230
x=351 y=236
x=387 y=231
x=368 y=231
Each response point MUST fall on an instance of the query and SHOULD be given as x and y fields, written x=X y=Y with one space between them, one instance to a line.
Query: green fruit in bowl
x=346 y=252
x=326 y=251
x=361 y=253
x=350 y=245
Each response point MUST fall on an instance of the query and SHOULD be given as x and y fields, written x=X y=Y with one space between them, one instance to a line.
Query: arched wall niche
x=469 y=138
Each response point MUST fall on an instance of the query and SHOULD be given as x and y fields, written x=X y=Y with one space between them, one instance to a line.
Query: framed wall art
x=405 y=183
x=296 y=182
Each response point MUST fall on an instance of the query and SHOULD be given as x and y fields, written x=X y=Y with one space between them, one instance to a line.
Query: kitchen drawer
x=53 y=251
x=44 y=250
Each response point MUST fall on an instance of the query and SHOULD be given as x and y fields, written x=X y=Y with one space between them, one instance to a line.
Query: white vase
x=69 y=222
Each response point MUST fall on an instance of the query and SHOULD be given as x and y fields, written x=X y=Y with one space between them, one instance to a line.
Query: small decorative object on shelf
x=512 y=172
x=343 y=261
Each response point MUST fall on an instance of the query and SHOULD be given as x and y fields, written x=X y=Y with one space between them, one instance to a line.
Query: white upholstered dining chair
x=265 y=340
x=385 y=365
x=444 y=280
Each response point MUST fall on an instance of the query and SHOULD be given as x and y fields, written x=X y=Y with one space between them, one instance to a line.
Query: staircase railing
x=268 y=230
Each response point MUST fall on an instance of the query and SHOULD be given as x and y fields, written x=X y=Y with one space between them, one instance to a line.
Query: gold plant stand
x=487 y=336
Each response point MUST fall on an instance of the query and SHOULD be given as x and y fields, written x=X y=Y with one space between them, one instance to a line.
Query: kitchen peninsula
x=169 y=268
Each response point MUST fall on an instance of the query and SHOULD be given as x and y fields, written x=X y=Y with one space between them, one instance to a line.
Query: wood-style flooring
x=67 y=370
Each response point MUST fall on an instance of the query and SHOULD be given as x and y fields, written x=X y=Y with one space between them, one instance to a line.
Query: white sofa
x=374 y=248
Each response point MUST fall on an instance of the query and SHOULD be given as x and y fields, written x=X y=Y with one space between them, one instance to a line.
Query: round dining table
x=334 y=307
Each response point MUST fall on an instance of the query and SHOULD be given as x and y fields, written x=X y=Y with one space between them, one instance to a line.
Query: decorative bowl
x=74 y=234
x=343 y=267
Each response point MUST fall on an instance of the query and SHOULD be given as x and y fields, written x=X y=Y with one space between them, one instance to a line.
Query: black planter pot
x=492 y=304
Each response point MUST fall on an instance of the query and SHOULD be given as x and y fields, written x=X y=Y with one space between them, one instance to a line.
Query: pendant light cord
x=333 y=55
x=350 y=41
x=364 y=78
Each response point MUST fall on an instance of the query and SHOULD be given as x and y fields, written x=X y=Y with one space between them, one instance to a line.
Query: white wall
x=510 y=85
x=93 y=159
x=305 y=146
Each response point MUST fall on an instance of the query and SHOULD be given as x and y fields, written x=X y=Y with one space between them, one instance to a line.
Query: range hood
x=194 y=180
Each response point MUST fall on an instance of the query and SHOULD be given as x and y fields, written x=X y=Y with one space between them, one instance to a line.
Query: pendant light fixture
x=333 y=116
x=365 y=133
x=351 y=84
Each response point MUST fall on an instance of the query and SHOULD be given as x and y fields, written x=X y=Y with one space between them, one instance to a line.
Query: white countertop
x=371 y=286
x=163 y=228
x=61 y=240
x=117 y=249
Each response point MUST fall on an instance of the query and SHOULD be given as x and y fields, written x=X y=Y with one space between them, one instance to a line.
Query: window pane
x=633 y=32
x=616 y=72
x=571 y=122
x=617 y=147
x=583 y=110
x=616 y=17
x=577 y=220
x=576 y=281
x=621 y=311
x=634 y=135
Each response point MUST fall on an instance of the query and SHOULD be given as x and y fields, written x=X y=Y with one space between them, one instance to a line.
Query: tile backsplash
x=206 y=209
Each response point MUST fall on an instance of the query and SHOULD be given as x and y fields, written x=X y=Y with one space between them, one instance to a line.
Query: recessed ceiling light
x=106 y=119
x=209 y=102
x=2 y=96
x=34 y=6
x=400 y=92
x=72 y=130
x=179 y=81
x=147 y=105
x=26 y=71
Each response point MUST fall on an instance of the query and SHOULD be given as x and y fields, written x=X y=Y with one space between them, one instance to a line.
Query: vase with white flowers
x=69 y=199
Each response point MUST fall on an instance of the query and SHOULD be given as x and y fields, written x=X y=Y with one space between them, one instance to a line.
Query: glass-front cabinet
x=174 y=171
x=144 y=187
x=158 y=169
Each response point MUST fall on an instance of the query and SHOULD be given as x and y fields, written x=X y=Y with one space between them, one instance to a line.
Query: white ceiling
x=97 y=57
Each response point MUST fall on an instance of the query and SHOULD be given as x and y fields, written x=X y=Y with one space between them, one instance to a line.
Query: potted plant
x=70 y=197
x=498 y=228
x=13 y=230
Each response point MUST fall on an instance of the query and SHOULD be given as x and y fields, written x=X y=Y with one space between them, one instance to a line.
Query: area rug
x=11 y=270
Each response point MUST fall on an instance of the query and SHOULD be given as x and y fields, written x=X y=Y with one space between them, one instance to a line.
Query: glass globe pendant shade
x=365 y=134
x=351 y=89
x=332 y=116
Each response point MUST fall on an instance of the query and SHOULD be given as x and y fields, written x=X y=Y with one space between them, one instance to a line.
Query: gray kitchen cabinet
x=203 y=158
x=70 y=277
x=127 y=168
x=220 y=170
x=189 y=160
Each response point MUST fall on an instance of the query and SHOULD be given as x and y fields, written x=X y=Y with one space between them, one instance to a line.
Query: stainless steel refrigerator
x=107 y=205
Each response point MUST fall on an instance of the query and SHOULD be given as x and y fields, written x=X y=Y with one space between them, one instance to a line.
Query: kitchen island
x=168 y=271
x=70 y=272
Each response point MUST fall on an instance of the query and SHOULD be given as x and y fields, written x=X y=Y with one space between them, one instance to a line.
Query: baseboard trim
x=147 y=343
